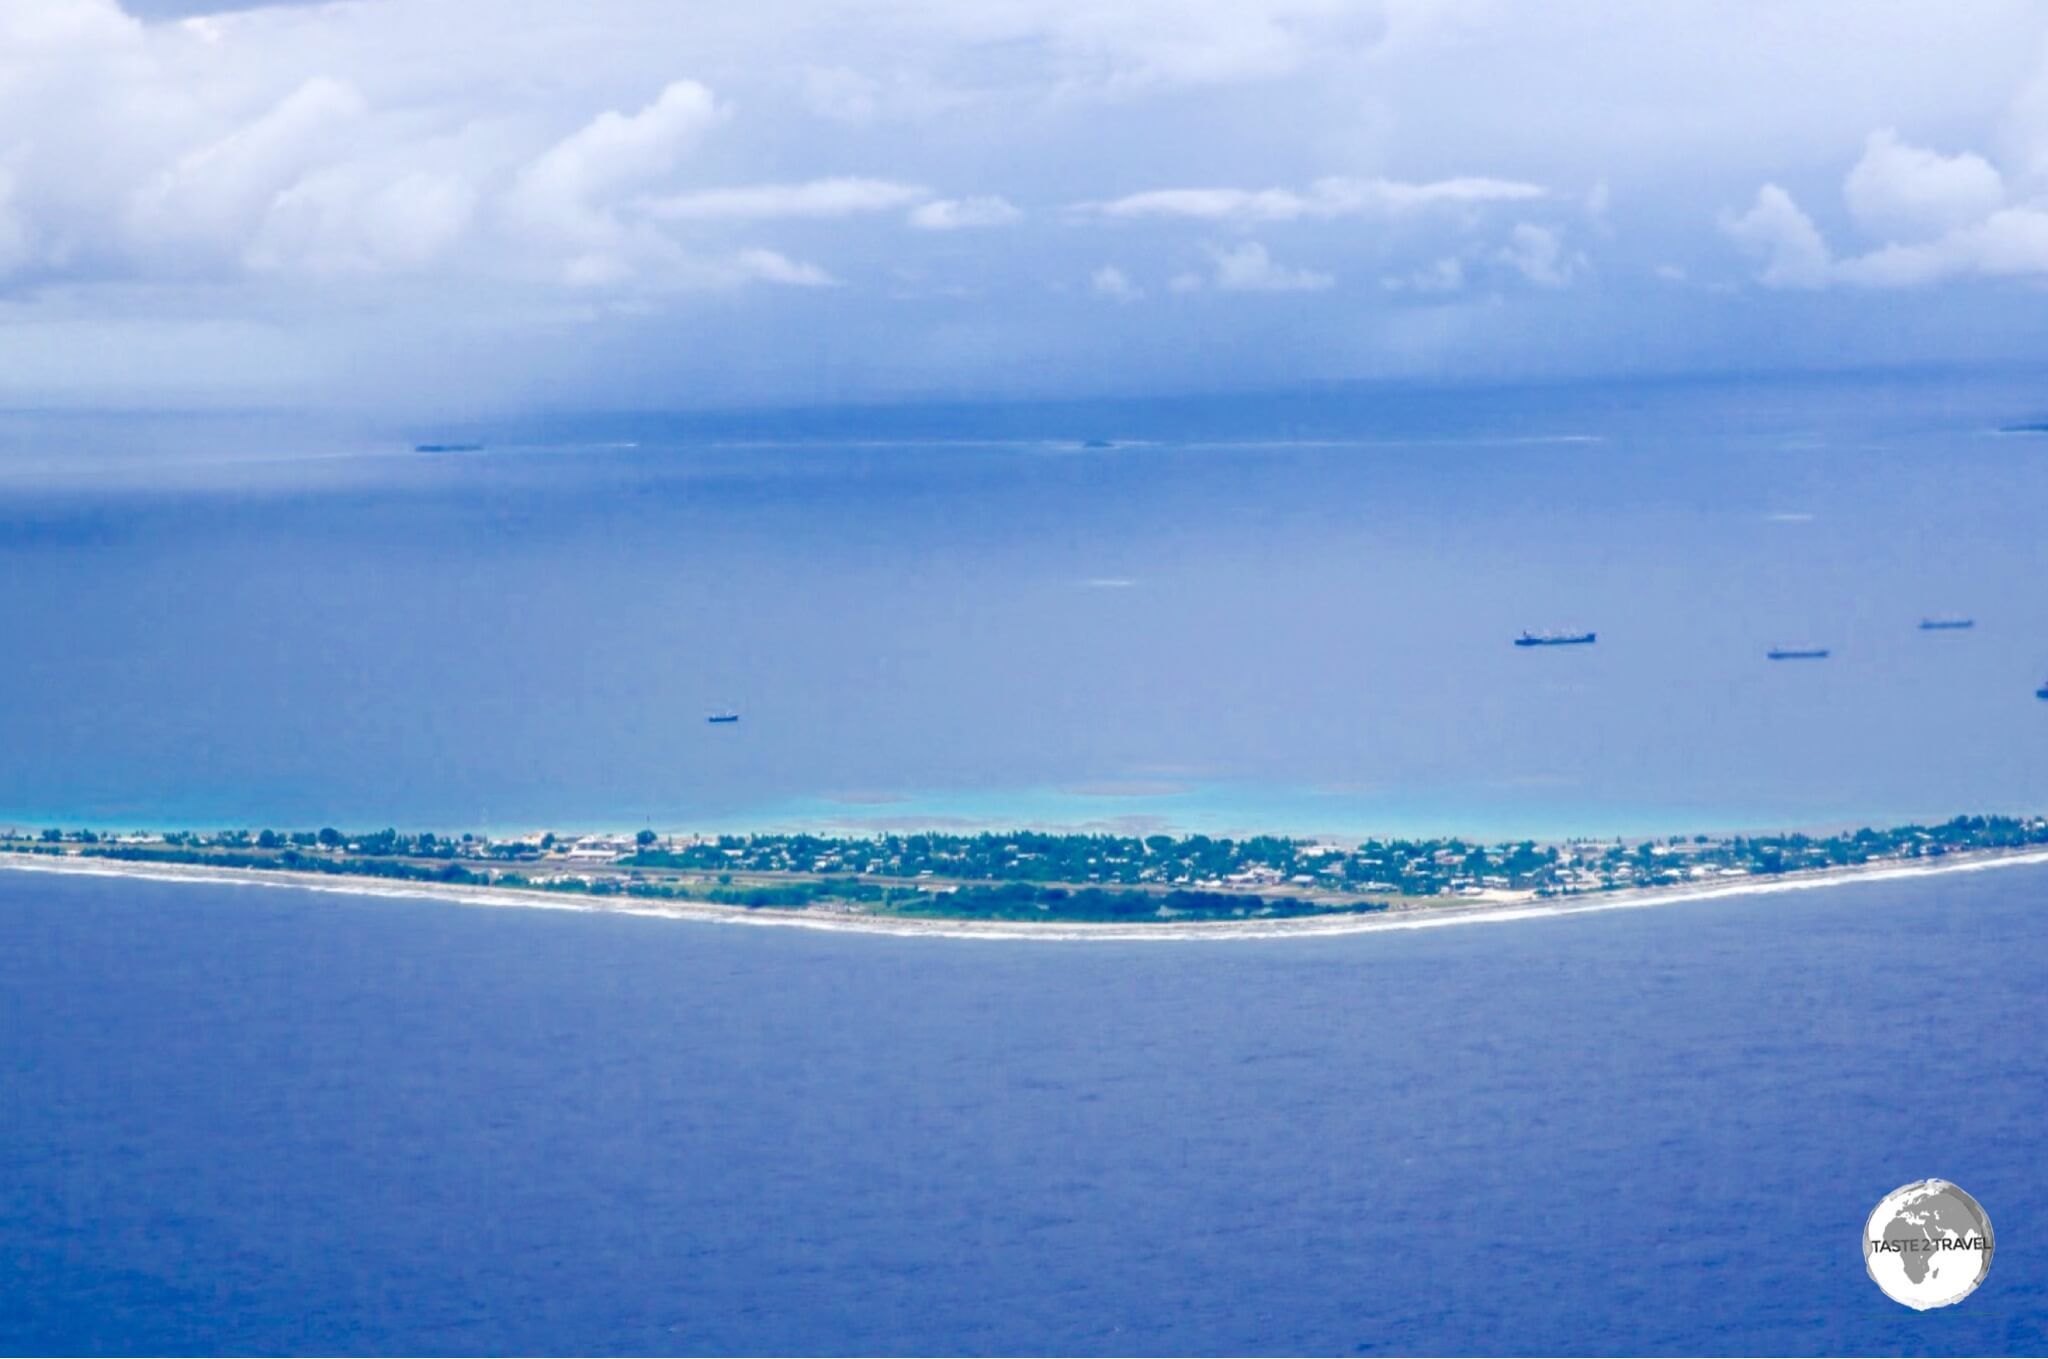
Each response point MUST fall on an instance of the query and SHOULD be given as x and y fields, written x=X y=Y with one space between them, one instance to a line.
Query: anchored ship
x=1798 y=653
x=2041 y=692
x=1556 y=639
x=1946 y=624
x=723 y=715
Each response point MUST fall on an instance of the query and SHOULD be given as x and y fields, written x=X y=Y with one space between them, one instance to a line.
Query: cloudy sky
x=481 y=204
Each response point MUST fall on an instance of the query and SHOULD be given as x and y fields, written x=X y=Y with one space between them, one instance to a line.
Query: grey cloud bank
x=448 y=203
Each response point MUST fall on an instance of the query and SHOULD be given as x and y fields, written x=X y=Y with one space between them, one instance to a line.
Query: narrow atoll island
x=1033 y=876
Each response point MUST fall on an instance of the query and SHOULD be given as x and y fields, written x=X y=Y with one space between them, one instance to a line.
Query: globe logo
x=1927 y=1244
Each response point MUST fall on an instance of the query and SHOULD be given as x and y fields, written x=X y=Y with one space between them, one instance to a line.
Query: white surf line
x=1311 y=927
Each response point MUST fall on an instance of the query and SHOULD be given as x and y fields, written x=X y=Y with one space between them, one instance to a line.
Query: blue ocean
x=257 y=1120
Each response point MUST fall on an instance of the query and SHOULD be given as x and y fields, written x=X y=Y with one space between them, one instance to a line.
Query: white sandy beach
x=1429 y=917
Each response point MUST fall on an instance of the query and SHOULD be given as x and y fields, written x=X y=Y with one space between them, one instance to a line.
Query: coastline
x=1530 y=907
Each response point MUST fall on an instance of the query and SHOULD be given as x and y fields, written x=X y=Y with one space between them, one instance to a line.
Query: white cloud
x=1783 y=239
x=1326 y=198
x=818 y=198
x=212 y=197
x=1446 y=275
x=569 y=186
x=597 y=269
x=955 y=214
x=1248 y=268
x=281 y=147
x=1898 y=192
x=1111 y=282
x=35 y=28
x=1538 y=254
x=374 y=179
x=2011 y=242
x=1943 y=217
x=340 y=221
x=581 y=211
x=770 y=267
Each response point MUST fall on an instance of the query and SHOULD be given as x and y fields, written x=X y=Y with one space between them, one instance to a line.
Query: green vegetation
x=1032 y=875
x=1407 y=868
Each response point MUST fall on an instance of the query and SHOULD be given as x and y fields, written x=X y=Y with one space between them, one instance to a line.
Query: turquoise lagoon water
x=1272 y=615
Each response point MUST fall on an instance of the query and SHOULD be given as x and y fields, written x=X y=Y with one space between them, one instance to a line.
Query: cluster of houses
x=1375 y=868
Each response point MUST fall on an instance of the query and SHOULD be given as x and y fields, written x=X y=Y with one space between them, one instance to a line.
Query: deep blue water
x=250 y=1120
x=1281 y=614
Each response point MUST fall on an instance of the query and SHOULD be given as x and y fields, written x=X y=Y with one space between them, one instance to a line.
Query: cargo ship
x=1946 y=624
x=2041 y=692
x=723 y=715
x=1797 y=653
x=1556 y=639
